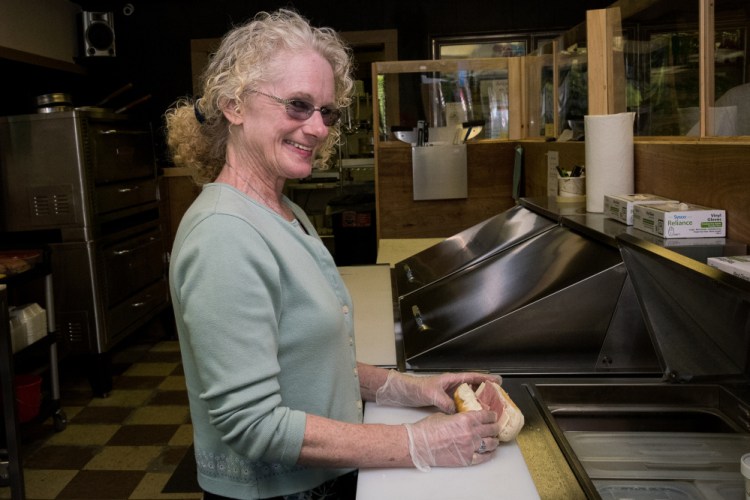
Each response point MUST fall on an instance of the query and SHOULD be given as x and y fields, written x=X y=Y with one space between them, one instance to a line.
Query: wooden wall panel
x=710 y=174
x=569 y=154
x=490 y=179
x=701 y=172
x=179 y=190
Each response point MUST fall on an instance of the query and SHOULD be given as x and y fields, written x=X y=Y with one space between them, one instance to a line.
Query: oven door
x=124 y=195
x=132 y=265
x=120 y=151
x=105 y=288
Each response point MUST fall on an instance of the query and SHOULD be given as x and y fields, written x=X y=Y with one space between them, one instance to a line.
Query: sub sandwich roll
x=466 y=399
x=490 y=396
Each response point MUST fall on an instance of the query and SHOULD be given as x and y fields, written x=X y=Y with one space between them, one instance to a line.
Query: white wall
x=42 y=27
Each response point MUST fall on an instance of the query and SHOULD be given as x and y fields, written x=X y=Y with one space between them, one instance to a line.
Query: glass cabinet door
x=663 y=72
x=446 y=95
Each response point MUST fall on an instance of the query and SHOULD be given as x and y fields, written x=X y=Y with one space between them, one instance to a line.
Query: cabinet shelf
x=20 y=56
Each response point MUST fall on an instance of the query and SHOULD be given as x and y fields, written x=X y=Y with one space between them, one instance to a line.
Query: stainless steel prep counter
x=688 y=373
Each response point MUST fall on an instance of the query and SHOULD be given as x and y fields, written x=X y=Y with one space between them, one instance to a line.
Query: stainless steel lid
x=54 y=103
x=54 y=99
x=53 y=109
x=698 y=316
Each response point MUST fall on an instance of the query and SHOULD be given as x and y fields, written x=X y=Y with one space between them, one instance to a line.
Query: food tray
x=660 y=455
x=18 y=261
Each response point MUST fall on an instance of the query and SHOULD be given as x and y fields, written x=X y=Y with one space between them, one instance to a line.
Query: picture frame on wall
x=490 y=45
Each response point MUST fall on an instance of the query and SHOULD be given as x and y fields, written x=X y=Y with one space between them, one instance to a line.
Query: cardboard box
x=738 y=265
x=728 y=246
x=680 y=220
x=620 y=207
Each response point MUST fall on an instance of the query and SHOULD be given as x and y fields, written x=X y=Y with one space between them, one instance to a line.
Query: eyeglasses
x=298 y=109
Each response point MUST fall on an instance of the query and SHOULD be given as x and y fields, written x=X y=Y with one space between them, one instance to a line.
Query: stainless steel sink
x=652 y=420
x=651 y=407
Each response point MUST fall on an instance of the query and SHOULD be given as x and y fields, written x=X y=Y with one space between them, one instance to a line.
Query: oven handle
x=126 y=251
x=149 y=299
x=123 y=132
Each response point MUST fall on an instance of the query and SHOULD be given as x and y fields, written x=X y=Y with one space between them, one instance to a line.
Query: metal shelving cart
x=12 y=470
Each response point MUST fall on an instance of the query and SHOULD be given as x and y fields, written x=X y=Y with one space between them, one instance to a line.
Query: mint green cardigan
x=266 y=336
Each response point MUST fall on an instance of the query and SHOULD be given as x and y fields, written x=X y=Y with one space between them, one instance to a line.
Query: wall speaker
x=98 y=34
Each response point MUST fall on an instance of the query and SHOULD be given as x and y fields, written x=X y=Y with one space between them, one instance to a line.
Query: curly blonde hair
x=197 y=131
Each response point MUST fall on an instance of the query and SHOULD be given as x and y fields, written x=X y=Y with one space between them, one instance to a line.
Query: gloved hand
x=433 y=390
x=453 y=440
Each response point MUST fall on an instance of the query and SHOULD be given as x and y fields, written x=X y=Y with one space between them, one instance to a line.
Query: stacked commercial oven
x=84 y=183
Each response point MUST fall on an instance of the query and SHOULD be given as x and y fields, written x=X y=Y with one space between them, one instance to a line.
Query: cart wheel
x=60 y=420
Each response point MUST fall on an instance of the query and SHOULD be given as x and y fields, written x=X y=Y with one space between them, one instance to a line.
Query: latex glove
x=433 y=390
x=453 y=440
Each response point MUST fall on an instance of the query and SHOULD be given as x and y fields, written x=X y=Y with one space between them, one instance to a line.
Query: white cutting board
x=372 y=296
x=505 y=476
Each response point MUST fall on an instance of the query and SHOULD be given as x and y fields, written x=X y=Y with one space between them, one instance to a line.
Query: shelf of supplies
x=7 y=369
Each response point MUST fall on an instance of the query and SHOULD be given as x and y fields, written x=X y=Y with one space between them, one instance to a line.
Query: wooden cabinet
x=177 y=193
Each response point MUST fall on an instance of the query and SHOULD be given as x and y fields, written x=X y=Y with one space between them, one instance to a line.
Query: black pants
x=341 y=488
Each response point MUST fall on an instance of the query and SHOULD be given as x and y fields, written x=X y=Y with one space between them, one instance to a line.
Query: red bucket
x=28 y=396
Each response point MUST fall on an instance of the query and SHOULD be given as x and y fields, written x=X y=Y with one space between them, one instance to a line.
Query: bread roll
x=491 y=396
x=466 y=399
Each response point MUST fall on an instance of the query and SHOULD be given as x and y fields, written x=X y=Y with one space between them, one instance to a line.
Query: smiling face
x=270 y=144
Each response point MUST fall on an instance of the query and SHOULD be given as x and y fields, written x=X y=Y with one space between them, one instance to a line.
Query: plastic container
x=28 y=396
x=648 y=490
x=745 y=469
x=683 y=456
x=571 y=189
x=721 y=490
x=28 y=324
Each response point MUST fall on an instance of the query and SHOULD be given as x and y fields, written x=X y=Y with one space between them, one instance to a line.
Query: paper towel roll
x=609 y=157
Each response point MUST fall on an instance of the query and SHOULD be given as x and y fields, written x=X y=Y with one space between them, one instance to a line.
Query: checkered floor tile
x=124 y=446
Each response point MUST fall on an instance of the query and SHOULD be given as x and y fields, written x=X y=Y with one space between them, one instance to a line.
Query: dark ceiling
x=153 y=40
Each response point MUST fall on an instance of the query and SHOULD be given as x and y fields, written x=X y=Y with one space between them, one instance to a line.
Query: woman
x=264 y=319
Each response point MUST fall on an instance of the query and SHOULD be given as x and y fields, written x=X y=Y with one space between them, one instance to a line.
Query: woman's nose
x=316 y=126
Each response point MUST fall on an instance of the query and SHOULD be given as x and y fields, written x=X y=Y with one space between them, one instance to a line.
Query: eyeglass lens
x=302 y=110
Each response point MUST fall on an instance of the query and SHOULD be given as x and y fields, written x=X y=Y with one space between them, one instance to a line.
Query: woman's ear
x=232 y=112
